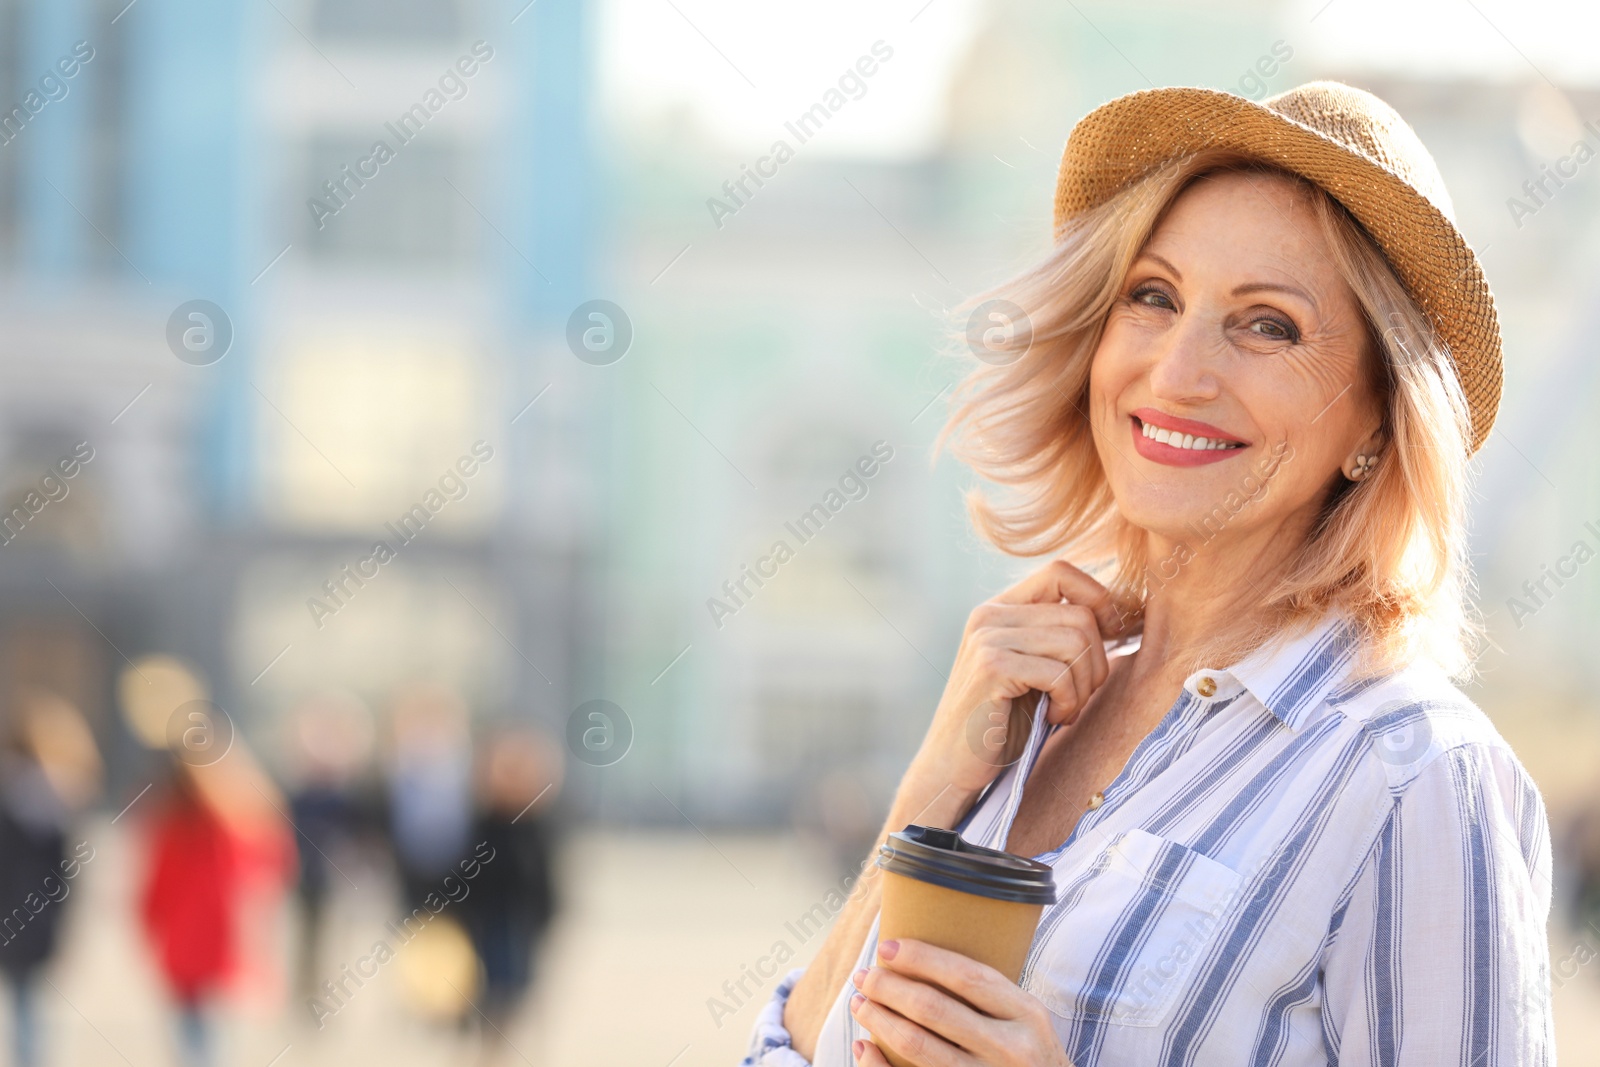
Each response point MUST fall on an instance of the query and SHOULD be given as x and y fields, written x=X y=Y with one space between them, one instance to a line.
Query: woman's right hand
x=1045 y=633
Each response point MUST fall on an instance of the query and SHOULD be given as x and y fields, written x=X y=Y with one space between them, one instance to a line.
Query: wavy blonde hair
x=1389 y=550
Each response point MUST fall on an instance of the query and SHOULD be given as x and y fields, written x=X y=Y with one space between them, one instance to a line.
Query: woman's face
x=1237 y=345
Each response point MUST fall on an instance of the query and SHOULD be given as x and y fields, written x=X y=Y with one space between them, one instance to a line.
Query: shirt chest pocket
x=1126 y=935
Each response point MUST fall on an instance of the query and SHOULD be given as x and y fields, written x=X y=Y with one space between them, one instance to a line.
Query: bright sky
x=1492 y=39
x=741 y=68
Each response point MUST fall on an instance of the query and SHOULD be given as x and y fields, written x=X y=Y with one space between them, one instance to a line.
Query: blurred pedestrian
x=330 y=746
x=49 y=770
x=1580 y=867
x=429 y=787
x=216 y=842
x=513 y=897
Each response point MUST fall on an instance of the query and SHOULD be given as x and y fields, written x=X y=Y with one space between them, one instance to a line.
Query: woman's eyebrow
x=1273 y=287
x=1243 y=290
x=1174 y=271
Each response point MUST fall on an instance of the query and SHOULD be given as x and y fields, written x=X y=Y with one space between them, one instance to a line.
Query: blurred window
x=398 y=21
x=406 y=211
x=391 y=409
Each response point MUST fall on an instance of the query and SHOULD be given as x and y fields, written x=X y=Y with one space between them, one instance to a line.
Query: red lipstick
x=1175 y=430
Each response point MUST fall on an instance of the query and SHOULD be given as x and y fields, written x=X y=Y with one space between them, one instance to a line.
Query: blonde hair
x=1390 y=550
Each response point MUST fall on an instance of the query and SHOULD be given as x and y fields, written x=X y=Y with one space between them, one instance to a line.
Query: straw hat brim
x=1130 y=136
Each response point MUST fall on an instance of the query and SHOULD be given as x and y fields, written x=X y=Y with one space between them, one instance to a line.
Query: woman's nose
x=1184 y=362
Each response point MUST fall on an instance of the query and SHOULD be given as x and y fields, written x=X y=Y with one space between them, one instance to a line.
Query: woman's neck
x=1218 y=587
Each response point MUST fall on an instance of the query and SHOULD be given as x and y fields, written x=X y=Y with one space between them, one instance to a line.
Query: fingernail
x=857 y=1046
x=888 y=948
x=856 y=1001
x=859 y=977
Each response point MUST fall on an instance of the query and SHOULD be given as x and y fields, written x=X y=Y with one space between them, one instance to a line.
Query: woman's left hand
x=926 y=1025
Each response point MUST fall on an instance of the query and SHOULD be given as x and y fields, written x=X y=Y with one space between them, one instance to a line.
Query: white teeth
x=1183 y=440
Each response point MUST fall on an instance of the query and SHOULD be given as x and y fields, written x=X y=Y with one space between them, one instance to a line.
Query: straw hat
x=1353 y=145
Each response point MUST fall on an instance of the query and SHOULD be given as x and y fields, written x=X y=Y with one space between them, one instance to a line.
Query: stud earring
x=1363 y=467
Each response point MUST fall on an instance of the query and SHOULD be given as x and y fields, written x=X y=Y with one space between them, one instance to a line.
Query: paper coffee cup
x=980 y=902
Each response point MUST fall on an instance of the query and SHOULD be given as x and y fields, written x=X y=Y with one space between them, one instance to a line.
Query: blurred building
x=384 y=347
x=391 y=310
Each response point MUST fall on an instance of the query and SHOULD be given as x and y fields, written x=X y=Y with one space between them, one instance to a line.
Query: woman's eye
x=1270 y=327
x=1276 y=329
x=1146 y=295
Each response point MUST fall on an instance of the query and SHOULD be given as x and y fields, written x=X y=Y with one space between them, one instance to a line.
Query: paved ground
x=659 y=923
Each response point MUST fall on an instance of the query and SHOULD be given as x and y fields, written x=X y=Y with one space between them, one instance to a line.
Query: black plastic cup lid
x=944 y=858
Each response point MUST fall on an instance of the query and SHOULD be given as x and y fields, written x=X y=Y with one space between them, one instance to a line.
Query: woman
x=217 y=853
x=1247 y=381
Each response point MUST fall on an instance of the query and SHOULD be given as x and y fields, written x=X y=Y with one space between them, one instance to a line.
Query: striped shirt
x=1293 y=868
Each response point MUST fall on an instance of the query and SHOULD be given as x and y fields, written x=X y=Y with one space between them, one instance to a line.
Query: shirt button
x=1096 y=800
x=1206 y=686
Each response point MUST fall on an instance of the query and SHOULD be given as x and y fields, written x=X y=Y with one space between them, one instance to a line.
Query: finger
x=996 y=613
x=870 y=1055
x=1019 y=673
x=893 y=1031
x=1074 y=669
x=1076 y=653
x=1089 y=645
x=1063 y=643
x=1067 y=632
x=1063 y=646
x=1089 y=667
x=1060 y=580
x=930 y=1008
x=980 y=985
x=1099 y=665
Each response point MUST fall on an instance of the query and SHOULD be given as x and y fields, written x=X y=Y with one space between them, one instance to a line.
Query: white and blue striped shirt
x=1292 y=869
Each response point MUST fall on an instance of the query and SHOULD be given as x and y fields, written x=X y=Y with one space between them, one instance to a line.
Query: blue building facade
x=162 y=152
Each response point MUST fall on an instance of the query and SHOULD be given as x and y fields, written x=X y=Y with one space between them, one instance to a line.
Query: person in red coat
x=214 y=832
x=186 y=903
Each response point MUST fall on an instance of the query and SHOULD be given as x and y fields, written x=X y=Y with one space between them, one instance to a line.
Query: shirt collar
x=1292 y=677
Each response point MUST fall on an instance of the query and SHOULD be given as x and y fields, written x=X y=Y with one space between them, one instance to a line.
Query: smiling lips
x=1177 y=442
